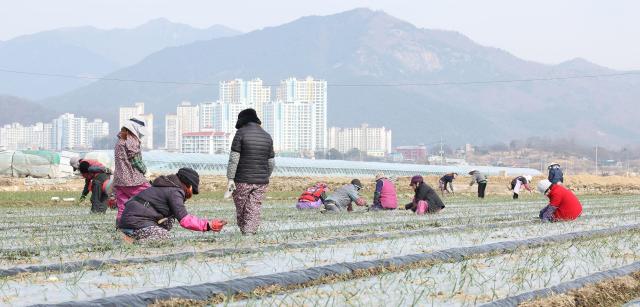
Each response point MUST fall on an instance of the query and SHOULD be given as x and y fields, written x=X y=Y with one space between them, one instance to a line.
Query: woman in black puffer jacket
x=251 y=163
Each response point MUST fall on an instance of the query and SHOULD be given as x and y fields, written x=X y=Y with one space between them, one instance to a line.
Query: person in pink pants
x=129 y=170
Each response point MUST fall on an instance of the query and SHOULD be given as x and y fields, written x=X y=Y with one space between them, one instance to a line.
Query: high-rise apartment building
x=63 y=133
x=96 y=130
x=373 y=141
x=70 y=132
x=312 y=91
x=206 y=116
x=188 y=119
x=247 y=92
x=137 y=111
x=292 y=126
x=171 y=132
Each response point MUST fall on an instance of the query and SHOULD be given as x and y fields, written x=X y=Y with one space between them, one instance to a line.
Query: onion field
x=474 y=252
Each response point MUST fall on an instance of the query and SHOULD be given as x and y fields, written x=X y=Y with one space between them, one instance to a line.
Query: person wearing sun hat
x=150 y=215
x=425 y=199
x=563 y=204
x=385 y=196
x=480 y=179
x=342 y=198
x=129 y=171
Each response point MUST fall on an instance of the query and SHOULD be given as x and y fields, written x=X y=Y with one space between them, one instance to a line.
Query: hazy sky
x=548 y=31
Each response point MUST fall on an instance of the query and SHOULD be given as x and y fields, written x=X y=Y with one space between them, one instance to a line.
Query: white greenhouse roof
x=160 y=161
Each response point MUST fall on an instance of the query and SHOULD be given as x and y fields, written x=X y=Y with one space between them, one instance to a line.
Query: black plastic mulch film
x=297 y=277
x=566 y=286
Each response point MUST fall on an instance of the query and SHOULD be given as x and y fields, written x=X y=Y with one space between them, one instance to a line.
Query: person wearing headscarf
x=518 y=183
x=385 y=196
x=251 y=163
x=425 y=199
x=129 y=171
x=150 y=215
x=563 y=204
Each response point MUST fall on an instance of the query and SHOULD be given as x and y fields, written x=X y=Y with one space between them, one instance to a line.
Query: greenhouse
x=164 y=162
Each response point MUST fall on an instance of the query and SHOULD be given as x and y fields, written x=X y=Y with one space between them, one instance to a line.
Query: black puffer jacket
x=164 y=199
x=425 y=192
x=256 y=148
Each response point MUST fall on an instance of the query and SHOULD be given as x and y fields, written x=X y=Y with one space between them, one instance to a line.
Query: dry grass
x=583 y=184
x=611 y=292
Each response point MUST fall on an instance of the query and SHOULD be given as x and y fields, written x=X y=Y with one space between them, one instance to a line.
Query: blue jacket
x=555 y=174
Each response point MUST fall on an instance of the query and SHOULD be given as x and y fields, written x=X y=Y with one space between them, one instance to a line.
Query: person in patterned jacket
x=129 y=170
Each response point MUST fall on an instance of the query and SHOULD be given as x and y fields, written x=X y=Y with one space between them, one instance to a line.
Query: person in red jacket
x=563 y=204
x=95 y=176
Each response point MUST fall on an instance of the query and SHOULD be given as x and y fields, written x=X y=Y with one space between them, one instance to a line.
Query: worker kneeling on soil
x=425 y=200
x=95 y=177
x=385 y=196
x=518 y=183
x=342 y=198
x=563 y=204
x=150 y=215
x=313 y=197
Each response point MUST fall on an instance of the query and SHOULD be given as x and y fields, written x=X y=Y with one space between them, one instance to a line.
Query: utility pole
x=441 y=152
x=596 y=160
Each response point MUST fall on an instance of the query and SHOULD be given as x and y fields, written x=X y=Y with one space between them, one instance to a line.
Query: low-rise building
x=205 y=142
x=413 y=153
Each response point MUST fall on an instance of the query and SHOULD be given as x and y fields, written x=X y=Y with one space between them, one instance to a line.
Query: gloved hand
x=231 y=185
x=216 y=225
x=111 y=203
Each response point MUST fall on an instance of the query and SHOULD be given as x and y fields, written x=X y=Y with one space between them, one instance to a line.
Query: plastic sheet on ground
x=32 y=163
x=299 y=277
x=566 y=286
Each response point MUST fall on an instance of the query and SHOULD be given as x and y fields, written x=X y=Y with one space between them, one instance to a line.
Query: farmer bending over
x=446 y=183
x=425 y=200
x=313 y=197
x=150 y=215
x=563 y=204
x=342 y=198
x=95 y=177
x=480 y=179
x=518 y=183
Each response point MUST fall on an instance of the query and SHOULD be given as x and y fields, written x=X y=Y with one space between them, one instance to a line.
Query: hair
x=84 y=166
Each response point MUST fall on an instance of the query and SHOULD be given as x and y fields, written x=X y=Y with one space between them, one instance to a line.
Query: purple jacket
x=164 y=199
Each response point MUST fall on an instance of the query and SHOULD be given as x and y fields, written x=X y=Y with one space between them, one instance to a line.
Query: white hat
x=379 y=175
x=543 y=186
x=75 y=162
x=528 y=177
x=136 y=126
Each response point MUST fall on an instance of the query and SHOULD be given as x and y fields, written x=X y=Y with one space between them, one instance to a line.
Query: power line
x=380 y=84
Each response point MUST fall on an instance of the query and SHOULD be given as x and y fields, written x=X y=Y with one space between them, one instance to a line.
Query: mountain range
x=87 y=51
x=421 y=83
